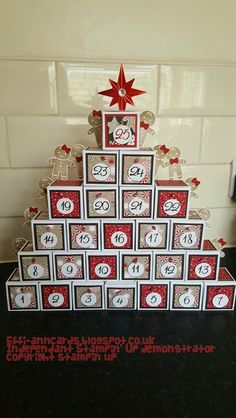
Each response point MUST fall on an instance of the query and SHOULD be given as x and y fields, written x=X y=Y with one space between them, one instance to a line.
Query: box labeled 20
x=101 y=202
x=120 y=130
x=137 y=167
x=171 y=199
x=65 y=199
x=100 y=167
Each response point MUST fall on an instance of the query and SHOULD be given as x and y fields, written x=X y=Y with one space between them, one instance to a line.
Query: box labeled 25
x=120 y=130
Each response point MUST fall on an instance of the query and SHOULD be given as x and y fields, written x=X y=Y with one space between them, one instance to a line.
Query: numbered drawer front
x=152 y=235
x=65 y=203
x=69 y=266
x=117 y=235
x=186 y=296
x=55 y=296
x=35 y=266
x=102 y=266
x=136 y=266
x=186 y=236
x=219 y=297
x=120 y=130
x=203 y=266
x=49 y=235
x=101 y=203
x=23 y=297
x=171 y=203
x=169 y=266
x=100 y=167
x=137 y=168
x=118 y=296
x=88 y=297
x=136 y=203
x=153 y=296
x=83 y=235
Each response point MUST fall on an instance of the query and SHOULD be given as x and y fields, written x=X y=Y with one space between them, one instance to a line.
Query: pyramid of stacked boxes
x=119 y=239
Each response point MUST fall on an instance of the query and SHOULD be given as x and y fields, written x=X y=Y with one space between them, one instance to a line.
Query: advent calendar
x=120 y=238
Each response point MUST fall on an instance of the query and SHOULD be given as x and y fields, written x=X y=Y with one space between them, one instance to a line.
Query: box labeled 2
x=48 y=234
x=136 y=266
x=84 y=235
x=203 y=265
x=120 y=296
x=101 y=202
x=137 y=167
x=65 y=199
x=171 y=199
x=152 y=235
x=89 y=296
x=21 y=296
x=220 y=295
x=55 y=296
x=102 y=266
x=186 y=235
x=117 y=235
x=136 y=202
x=69 y=265
x=169 y=266
x=34 y=265
x=186 y=296
x=100 y=167
x=153 y=296
x=120 y=130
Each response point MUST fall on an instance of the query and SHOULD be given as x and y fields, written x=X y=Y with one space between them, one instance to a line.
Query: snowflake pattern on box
x=73 y=198
x=69 y=266
x=101 y=168
x=187 y=236
x=147 y=291
x=172 y=204
x=83 y=236
x=55 y=297
x=35 y=267
x=169 y=267
x=152 y=235
x=23 y=297
x=136 y=203
x=137 y=169
x=215 y=295
x=88 y=297
x=102 y=267
x=186 y=296
x=118 y=236
x=136 y=267
x=101 y=203
x=120 y=298
x=49 y=237
x=202 y=267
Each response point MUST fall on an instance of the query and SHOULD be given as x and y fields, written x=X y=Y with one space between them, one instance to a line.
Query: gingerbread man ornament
x=193 y=183
x=76 y=154
x=17 y=244
x=147 y=119
x=174 y=163
x=29 y=214
x=61 y=162
x=161 y=151
x=95 y=120
x=43 y=185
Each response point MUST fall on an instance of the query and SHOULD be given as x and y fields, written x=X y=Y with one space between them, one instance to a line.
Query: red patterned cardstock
x=202 y=267
x=55 y=297
x=169 y=266
x=120 y=130
x=172 y=204
x=83 y=236
x=153 y=296
x=118 y=236
x=136 y=266
x=65 y=204
x=22 y=297
x=220 y=297
x=102 y=267
x=136 y=203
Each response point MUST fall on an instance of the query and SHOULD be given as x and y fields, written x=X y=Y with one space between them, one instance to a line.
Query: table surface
x=134 y=385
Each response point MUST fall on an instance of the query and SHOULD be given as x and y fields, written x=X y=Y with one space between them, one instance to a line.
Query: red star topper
x=121 y=91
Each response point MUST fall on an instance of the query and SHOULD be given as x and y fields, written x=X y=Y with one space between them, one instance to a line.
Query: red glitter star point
x=121 y=91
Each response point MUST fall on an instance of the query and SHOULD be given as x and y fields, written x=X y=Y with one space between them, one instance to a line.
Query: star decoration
x=121 y=91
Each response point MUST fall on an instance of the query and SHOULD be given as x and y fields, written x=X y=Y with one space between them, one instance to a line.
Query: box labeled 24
x=171 y=199
x=119 y=296
x=65 y=199
x=120 y=130
x=34 y=265
x=186 y=296
x=48 y=234
x=101 y=202
x=69 y=265
x=137 y=167
x=21 y=296
x=117 y=235
x=152 y=235
x=102 y=266
x=153 y=296
x=220 y=295
x=169 y=266
x=88 y=296
x=55 y=296
x=100 y=167
x=203 y=265
x=136 y=202
x=186 y=235
x=83 y=235
x=136 y=266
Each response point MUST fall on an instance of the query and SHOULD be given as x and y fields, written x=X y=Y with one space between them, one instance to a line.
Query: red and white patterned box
x=65 y=199
x=171 y=199
x=102 y=266
x=220 y=295
x=202 y=265
x=69 y=265
x=152 y=235
x=101 y=202
x=84 y=235
x=153 y=296
x=186 y=296
x=136 y=266
x=100 y=167
x=21 y=296
x=120 y=296
x=208 y=246
x=137 y=167
x=55 y=296
x=34 y=265
x=117 y=235
x=120 y=130
x=136 y=202
x=48 y=234
x=169 y=266
x=186 y=235
x=88 y=296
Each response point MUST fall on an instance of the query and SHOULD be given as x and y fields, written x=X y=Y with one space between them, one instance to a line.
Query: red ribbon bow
x=221 y=241
x=144 y=125
x=78 y=159
x=195 y=181
x=33 y=210
x=66 y=149
x=97 y=113
x=164 y=149
x=174 y=160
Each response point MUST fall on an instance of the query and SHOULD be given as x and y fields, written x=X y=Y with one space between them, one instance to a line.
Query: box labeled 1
x=186 y=296
x=136 y=202
x=88 y=296
x=102 y=266
x=55 y=296
x=153 y=296
x=48 y=234
x=171 y=199
x=202 y=265
x=152 y=235
x=186 y=235
x=119 y=296
x=83 y=235
x=34 y=265
x=21 y=296
x=100 y=167
x=169 y=266
x=101 y=202
x=137 y=167
x=65 y=199
x=220 y=295
x=136 y=266
x=120 y=130
x=69 y=265
x=117 y=235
